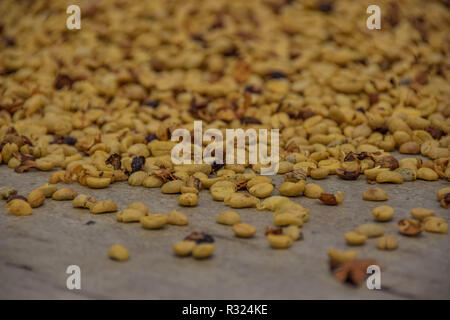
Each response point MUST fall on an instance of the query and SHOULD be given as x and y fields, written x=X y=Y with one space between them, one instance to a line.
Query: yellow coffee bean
x=241 y=200
x=48 y=190
x=383 y=213
x=36 y=198
x=177 y=218
x=184 y=248
x=154 y=221
x=188 y=199
x=261 y=190
x=293 y=208
x=64 y=194
x=83 y=201
x=375 y=194
x=371 y=230
x=103 y=207
x=273 y=203
x=257 y=180
x=319 y=173
x=98 y=183
x=202 y=251
x=280 y=241
x=140 y=206
x=244 y=230
x=18 y=207
x=152 y=182
x=294 y=232
x=292 y=189
x=313 y=191
x=340 y=257
x=229 y=218
x=118 y=253
x=129 y=215
x=221 y=189
x=435 y=224
x=427 y=174
x=373 y=173
x=45 y=164
x=285 y=219
x=173 y=186
x=186 y=189
x=387 y=243
x=355 y=239
x=421 y=213
x=137 y=178
x=285 y=167
x=390 y=177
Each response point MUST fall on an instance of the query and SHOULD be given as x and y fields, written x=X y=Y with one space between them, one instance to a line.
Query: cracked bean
x=442 y=192
x=409 y=227
x=332 y=199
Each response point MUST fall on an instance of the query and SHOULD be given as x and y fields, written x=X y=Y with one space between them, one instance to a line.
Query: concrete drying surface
x=36 y=250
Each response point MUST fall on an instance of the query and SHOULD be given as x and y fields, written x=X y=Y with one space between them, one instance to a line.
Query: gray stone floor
x=36 y=250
